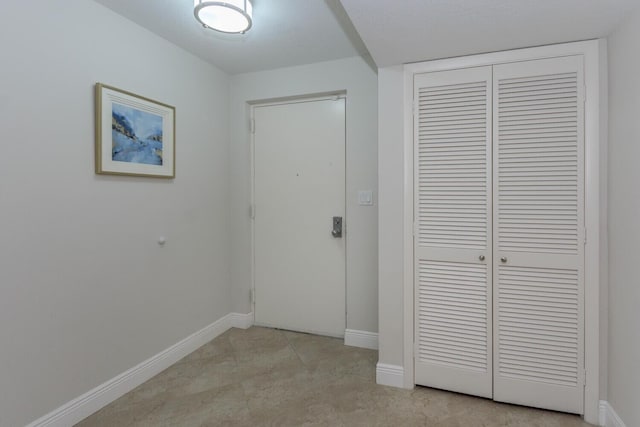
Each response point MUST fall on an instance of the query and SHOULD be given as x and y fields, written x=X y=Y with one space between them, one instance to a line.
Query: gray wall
x=360 y=82
x=624 y=221
x=85 y=291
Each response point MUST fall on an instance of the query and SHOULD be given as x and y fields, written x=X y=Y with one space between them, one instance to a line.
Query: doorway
x=298 y=214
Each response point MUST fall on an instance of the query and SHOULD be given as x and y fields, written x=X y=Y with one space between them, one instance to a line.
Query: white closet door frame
x=594 y=53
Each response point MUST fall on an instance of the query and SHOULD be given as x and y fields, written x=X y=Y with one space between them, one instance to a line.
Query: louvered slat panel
x=538 y=238
x=451 y=150
x=451 y=294
x=452 y=184
x=522 y=295
x=550 y=152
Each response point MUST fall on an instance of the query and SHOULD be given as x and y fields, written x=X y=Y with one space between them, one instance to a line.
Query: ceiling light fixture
x=230 y=16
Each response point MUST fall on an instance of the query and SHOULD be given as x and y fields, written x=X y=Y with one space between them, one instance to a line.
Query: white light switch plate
x=365 y=198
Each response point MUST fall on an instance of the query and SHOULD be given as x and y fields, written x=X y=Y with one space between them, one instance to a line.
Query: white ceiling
x=295 y=32
x=402 y=31
x=284 y=32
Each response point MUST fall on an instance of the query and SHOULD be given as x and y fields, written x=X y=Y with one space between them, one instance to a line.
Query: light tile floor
x=268 y=377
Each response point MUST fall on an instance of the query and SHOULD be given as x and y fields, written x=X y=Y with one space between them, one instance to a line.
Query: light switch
x=365 y=198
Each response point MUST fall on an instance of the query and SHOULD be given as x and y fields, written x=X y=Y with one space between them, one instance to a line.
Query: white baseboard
x=391 y=375
x=90 y=402
x=609 y=417
x=241 y=321
x=362 y=339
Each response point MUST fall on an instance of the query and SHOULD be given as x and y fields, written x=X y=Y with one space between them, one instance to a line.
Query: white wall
x=85 y=291
x=360 y=82
x=624 y=221
x=391 y=213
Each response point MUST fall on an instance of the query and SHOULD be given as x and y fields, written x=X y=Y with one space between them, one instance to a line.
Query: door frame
x=595 y=63
x=324 y=96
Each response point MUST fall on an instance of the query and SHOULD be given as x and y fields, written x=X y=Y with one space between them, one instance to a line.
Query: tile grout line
x=290 y=344
x=242 y=387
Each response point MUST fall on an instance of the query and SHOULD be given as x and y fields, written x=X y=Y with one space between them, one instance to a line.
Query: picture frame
x=141 y=138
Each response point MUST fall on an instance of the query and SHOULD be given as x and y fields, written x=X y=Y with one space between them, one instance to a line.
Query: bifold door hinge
x=584 y=377
x=252 y=211
x=252 y=125
x=585 y=236
x=415 y=350
x=252 y=296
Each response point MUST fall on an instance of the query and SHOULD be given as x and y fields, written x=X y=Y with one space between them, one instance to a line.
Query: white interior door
x=299 y=186
x=452 y=238
x=539 y=233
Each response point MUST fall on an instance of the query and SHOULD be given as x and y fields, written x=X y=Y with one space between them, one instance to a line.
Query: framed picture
x=134 y=135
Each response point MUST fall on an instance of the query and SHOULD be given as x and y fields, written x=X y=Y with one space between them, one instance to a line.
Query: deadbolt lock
x=337 y=227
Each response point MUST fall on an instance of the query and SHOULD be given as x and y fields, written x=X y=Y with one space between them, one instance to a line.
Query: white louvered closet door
x=539 y=233
x=452 y=137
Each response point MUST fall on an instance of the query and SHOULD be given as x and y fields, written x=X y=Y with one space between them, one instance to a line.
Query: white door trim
x=594 y=52
x=324 y=96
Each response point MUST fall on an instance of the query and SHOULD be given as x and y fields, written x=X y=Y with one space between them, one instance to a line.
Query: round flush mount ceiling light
x=231 y=16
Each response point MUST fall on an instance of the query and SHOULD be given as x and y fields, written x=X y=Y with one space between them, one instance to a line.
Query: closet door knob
x=503 y=259
x=481 y=257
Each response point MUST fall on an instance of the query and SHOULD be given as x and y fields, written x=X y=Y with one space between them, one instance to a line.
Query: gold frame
x=137 y=169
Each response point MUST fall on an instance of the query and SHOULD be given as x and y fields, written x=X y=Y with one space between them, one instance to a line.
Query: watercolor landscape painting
x=136 y=136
